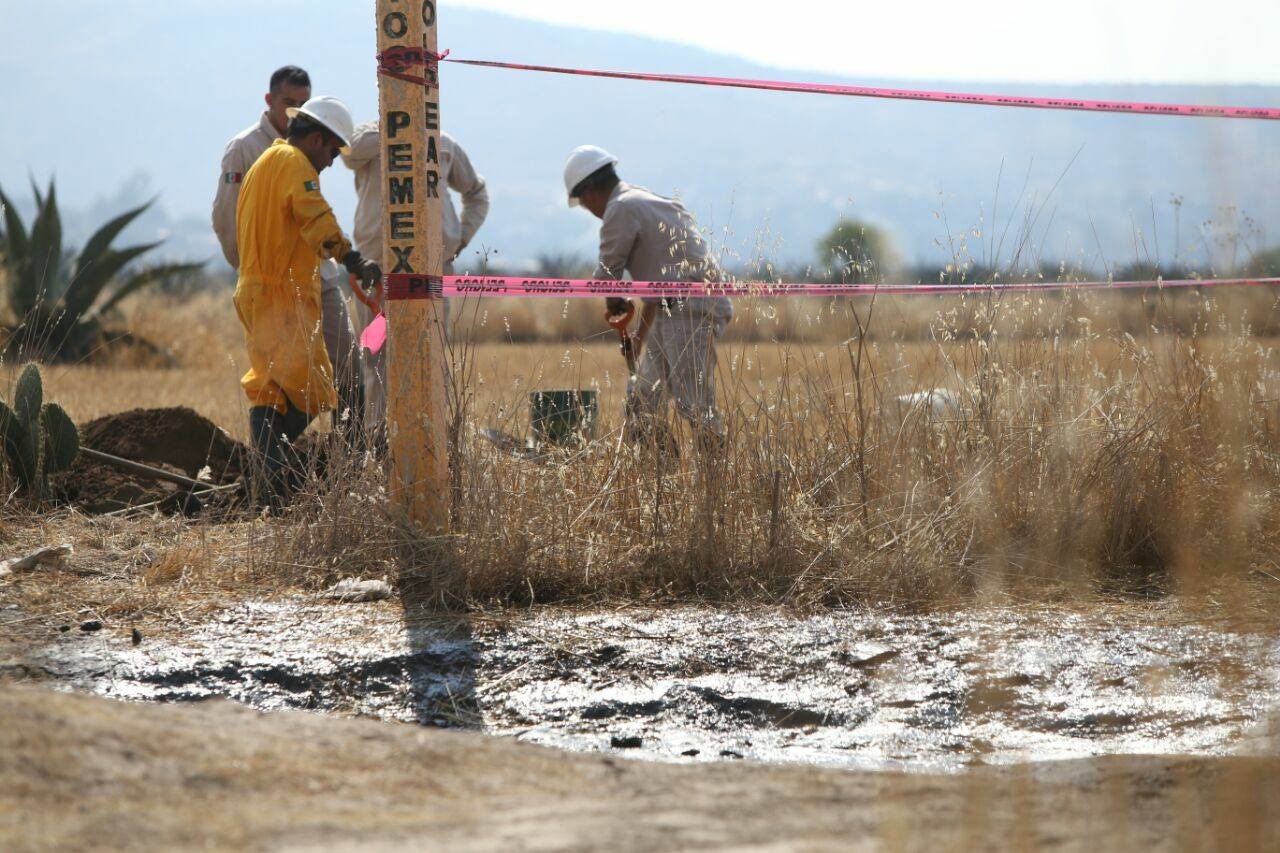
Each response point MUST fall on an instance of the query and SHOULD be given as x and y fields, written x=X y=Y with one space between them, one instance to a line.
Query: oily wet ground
x=846 y=688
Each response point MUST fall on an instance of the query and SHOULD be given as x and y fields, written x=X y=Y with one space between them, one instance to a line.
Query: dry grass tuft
x=171 y=567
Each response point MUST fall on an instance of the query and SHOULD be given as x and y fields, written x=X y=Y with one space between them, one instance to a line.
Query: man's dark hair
x=300 y=127
x=290 y=74
x=604 y=178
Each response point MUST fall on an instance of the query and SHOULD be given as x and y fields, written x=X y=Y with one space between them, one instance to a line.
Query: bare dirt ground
x=78 y=772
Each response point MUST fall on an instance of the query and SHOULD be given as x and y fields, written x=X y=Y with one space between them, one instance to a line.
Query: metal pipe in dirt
x=147 y=470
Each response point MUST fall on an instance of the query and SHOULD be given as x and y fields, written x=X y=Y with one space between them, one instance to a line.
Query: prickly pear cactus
x=18 y=429
x=61 y=439
x=39 y=438
x=28 y=395
x=17 y=448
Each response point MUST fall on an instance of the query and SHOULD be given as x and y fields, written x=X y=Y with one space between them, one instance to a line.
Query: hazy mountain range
x=135 y=98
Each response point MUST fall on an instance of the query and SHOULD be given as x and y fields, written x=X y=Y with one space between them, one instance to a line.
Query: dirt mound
x=177 y=440
x=178 y=436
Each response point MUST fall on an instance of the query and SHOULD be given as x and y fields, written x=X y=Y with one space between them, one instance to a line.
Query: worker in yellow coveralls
x=284 y=230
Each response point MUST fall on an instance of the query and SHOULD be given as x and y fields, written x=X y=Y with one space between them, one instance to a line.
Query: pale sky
x=1099 y=41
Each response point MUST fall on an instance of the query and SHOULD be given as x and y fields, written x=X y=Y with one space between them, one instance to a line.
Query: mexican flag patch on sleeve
x=233 y=177
x=310 y=186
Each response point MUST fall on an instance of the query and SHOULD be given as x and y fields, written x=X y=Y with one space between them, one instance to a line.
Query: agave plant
x=59 y=297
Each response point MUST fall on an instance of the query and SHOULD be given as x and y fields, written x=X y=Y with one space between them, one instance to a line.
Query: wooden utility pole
x=409 y=118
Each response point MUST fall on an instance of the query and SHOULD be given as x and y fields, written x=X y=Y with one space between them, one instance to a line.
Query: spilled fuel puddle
x=844 y=688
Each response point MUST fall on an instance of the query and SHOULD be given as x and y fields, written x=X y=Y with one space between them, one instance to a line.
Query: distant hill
x=134 y=98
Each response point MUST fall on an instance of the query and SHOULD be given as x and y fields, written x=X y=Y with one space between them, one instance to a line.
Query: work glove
x=369 y=276
x=368 y=272
x=616 y=306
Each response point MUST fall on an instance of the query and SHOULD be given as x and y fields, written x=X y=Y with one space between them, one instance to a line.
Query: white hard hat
x=583 y=162
x=331 y=113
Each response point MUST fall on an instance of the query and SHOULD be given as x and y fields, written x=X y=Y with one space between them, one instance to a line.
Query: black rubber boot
x=271 y=433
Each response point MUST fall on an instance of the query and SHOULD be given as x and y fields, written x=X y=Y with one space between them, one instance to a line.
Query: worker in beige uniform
x=365 y=160
x=290 y=88
x=655 y=239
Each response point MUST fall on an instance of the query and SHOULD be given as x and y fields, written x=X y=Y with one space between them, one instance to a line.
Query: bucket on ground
x=563 y=418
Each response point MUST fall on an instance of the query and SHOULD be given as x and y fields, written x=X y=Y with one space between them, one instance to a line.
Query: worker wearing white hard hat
x=583 y=162
x=653 y=238
x=332 y=115
x=285 y=229
x=289 y=88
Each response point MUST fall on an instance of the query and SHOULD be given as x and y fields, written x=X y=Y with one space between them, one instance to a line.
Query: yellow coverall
x=284 y=228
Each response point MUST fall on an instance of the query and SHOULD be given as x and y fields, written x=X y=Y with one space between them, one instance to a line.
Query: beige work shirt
x=241 y=153
x=656 y=239
x=365 y=160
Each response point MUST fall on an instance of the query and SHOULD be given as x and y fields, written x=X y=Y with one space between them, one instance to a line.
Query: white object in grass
x=51 y=557
x=935 y=402
x=353 y=589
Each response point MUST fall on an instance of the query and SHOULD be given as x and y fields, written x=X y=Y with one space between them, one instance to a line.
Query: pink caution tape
x=1131 y=107
x=374 y=336
x=400 y=286
x=566 y=288
x=395 y=61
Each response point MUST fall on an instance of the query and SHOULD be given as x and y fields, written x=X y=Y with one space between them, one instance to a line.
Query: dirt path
x=79 y=772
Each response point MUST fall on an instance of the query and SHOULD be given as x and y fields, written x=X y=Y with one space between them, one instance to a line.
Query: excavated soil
x=175 y=439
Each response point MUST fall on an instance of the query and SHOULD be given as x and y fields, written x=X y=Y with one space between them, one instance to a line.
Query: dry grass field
x=1100 y=444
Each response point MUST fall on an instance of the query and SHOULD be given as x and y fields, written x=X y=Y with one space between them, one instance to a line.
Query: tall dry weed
x=1072 y=461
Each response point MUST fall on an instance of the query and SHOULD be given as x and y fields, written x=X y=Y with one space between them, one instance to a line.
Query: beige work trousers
x=678 y=361
x=375 y=367
x=339 y=336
